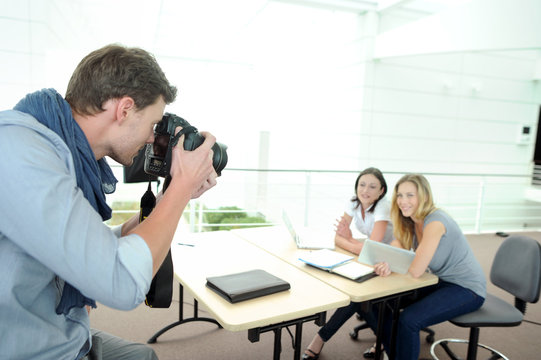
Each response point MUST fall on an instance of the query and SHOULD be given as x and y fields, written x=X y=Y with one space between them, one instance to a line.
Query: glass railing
x=478 y=202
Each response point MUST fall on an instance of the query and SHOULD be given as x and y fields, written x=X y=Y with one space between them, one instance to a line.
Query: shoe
x=371 y=352
x=314 y=356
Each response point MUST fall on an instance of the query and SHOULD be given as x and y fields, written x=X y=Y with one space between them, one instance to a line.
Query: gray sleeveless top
x=453 y=260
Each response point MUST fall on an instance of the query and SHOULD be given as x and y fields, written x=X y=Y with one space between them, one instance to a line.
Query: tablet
x=374 y=252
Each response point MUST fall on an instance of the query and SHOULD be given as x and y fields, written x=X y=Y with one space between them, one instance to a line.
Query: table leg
x=298 y=341
x=393 y=302
x=277 y=343
x=181 y=319
x=394 y=329
x=379 y=330
x=254 y=334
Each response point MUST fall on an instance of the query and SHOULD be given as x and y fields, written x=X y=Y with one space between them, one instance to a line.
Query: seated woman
x=441 y=248
x=370 y=213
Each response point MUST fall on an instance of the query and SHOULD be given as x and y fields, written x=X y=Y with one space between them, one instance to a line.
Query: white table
x=384 y=291
x=220 y=253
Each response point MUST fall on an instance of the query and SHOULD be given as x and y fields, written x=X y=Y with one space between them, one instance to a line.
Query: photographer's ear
x=125 y=106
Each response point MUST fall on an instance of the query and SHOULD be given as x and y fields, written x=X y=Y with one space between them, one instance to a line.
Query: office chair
x=516 y=269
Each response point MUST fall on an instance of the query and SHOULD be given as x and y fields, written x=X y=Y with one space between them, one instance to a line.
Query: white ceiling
x=202 y=25
x=232 y=31
x=204 y=28
x=360 y=6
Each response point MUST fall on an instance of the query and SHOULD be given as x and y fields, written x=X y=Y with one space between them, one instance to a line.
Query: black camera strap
x=160 y=293
x=182 y=131
x=148 y=202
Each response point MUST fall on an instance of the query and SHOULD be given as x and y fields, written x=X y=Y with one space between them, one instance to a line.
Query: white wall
x=309 y=78
x=452 y=113
x=455 y=112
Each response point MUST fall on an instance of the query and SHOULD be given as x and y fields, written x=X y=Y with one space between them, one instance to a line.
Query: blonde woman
x=441 y=248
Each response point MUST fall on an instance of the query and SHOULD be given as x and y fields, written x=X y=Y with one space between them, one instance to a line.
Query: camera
x=158 y=154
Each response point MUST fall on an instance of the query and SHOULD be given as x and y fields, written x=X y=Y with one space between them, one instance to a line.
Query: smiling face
x=407 y=198
x=369 y=190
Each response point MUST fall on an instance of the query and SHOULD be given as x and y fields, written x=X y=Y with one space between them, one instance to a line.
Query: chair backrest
x=517 y=268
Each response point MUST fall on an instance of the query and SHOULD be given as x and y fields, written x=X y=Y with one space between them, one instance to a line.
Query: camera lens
x=219 y=158
x=192 y=140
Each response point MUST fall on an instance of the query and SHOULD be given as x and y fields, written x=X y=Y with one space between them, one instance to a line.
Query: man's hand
x=210 y=182
x=194 y=167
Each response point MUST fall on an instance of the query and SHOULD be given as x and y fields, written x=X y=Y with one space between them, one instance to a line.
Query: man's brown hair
x=115 y=71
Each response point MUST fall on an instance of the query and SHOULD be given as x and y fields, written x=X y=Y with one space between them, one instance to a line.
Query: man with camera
x=57 y=257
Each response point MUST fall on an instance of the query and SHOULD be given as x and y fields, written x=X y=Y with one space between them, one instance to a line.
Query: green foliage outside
x=121 y=217
x=123 y=210
x=229 y=215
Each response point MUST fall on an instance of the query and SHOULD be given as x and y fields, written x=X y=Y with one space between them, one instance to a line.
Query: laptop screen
x=289 y=225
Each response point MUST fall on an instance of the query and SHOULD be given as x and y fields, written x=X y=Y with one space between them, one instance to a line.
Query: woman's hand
x=382 y=269
x=343 y=229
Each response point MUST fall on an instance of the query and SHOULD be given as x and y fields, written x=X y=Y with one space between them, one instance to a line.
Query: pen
x=192 y=245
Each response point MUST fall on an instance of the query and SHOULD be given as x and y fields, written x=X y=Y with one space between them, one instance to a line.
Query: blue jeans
x=340 y=316
x=432 y=305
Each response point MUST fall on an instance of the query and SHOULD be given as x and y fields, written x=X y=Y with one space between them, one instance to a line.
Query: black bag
x=160 y=293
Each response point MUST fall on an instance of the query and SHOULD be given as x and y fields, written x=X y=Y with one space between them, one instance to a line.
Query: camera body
x=158 y=154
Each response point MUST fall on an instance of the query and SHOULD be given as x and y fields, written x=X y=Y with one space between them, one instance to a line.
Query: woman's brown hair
x=383 y=184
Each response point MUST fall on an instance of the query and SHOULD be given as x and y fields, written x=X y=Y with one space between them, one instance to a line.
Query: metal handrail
x=476 y=208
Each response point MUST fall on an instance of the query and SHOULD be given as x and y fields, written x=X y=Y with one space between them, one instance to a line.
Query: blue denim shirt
x=49 y=234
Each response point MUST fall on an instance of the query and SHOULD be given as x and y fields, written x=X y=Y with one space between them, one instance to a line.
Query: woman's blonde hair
x=404 y=226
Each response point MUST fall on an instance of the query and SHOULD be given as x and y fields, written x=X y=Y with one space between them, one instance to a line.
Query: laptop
x=307 y=238
x=373 y=252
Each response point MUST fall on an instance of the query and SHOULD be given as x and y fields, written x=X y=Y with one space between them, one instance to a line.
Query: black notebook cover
x=246 y=285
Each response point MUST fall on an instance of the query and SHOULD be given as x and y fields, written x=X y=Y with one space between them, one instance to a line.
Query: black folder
x=246 y=285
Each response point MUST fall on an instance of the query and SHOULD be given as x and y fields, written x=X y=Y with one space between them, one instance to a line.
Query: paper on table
x=353 y=270
x=325 y=258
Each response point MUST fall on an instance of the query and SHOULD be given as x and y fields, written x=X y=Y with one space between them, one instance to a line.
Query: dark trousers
x=432 y=305
x=338 y=319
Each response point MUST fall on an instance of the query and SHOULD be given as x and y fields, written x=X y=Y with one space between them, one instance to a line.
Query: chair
x=516 y=269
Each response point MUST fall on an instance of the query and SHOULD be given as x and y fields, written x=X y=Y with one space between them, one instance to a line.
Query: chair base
x=443 y=343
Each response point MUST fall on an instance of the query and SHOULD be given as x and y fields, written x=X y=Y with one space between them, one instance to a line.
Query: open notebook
x=338 y=263
x=307 y=238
